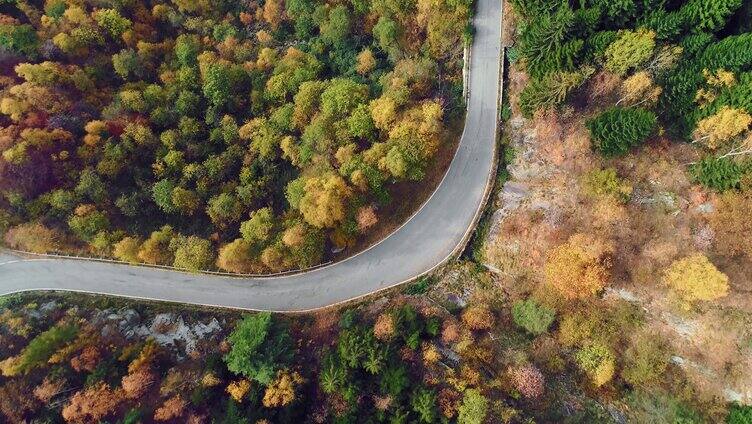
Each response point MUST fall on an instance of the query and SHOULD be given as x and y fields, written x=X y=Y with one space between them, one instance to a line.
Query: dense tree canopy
x=685 y=70
x=224 y=120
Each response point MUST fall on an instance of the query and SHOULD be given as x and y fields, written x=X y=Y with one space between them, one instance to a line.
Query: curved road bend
x=424 y=242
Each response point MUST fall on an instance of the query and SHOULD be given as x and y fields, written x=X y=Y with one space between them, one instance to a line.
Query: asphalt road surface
x=419 y=246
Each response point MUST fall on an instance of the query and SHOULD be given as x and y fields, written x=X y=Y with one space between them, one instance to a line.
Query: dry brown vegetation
x=649 y=214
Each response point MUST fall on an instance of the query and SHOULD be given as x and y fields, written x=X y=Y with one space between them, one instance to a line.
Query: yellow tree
x=598 y=362
x=715 y=82
x=324 y=203
x=695 y=278
x=383 y=112
x=478 y=317
x=716 y=130
x=273 y=12
x=236 y=256
x=579 y=268
x=366 y=62
x=238 y=389
x=281 y=391
x=639 y=89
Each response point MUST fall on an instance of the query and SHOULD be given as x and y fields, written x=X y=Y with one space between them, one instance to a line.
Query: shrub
x=645 y=360
x=383 y=328
x=719 y=174
x=529 y=381
x=617 y=129
x=473 y=409
x=33 y=237
x=478 y=317
x=579 y=268
x=535 y=319
x=739 y=414
x=732 y=226
x=598 y=362
x=695 y=278
x=605 y=182
x=659 y=407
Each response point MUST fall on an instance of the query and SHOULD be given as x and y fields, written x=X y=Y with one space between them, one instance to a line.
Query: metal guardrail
x=165 y=267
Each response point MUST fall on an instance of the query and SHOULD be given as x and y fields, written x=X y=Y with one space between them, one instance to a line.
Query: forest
x=609 y=282
x=68 y=361
x=685 y=64
x=243 y=136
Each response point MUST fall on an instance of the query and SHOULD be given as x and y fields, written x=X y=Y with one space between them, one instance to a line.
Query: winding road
x=426 y=241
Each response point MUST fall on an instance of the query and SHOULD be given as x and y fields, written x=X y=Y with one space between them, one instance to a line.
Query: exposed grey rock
x=684 y=328
x=616 y=414
x=49 y=307
x=705 y=208
x=621 y=294
x=167 y=330
x=456 y=300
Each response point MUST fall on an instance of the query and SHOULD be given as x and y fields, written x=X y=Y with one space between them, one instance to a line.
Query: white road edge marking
x=24 y=260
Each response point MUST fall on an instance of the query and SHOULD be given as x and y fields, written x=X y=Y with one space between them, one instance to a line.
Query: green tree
x=112 y=21
x=551 y=90
x=739 y=414
x=91 y=185
x=360 y=122
x=127 y=64
x=86 y=225
x=546 y=42
x=341 y=97
x=386 y=32
x=708 y=15
x=394 y=380
x=21 y=39
x=337 y=27
x=218 y=85
x=259 y=347
x=192 y=253
x=259 y=227
x=162 y=195
x=224 y=209
x=617 y=129
x=473 y=409
x=423 y=402
x=533 y=318
x=187 y=48
x=630 y=50
x=42 y=347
